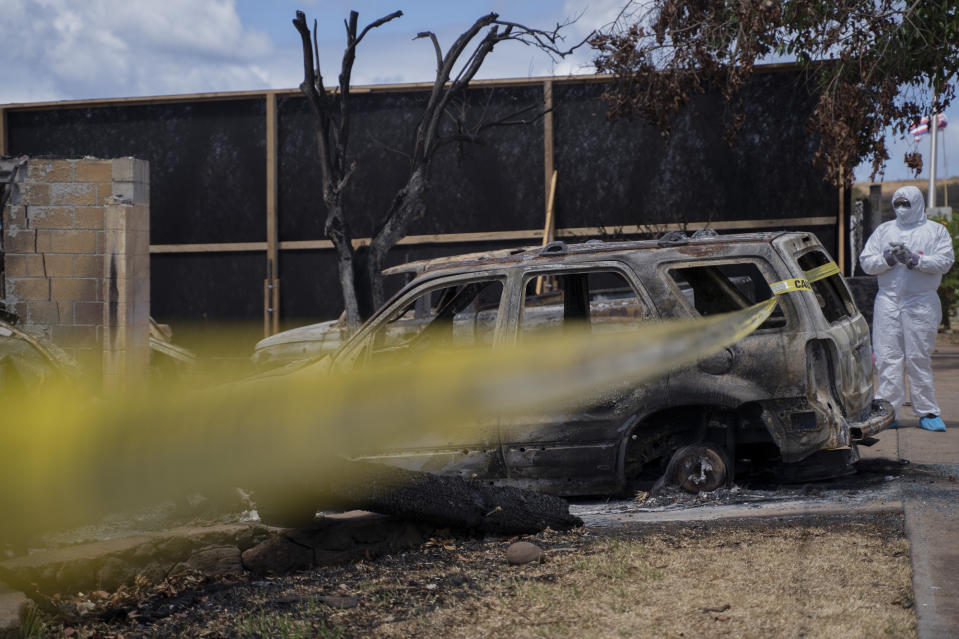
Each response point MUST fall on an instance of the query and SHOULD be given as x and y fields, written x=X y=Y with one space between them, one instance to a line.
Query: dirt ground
x=810 y=577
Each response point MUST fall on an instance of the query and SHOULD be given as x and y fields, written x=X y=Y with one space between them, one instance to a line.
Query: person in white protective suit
x=909 y=254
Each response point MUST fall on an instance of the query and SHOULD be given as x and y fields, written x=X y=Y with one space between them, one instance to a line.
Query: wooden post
x=549 y=174
x=547 y=139
x=271 y=288
x=841 y=225
x=3 y=132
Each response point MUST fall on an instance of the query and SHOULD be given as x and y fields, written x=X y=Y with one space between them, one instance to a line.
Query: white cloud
x=110 y=48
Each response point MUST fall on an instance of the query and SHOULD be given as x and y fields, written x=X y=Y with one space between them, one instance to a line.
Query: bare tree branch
x=436 y=46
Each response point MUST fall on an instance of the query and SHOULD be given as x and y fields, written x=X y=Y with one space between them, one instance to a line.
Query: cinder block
x=14 y=218
x=32 y=194
x=104 y=190
x=50 y=170
x=94 y=171
x=143 y=242
x=88 y=217
x=85 y=313
x=74 y=241
x=75 y=336
x=78 y=194
x=17 y=308
x=58 y=265
x=115 y=337
x=141 y=265
x=29 y=265
x=119 y=266
x=122 y=169
x=73 y=289
x=112 y=363
x=66 y=311
x=141 y=171
x=20 y=241
x=44 y=313
x=29 y=288
x=141 y=306
x=124 y=192
x=122 y=289
x=50 y=217
x=88 y=266
x=141 y=217
x=15 y=265
x=43 y=241
x=101 y=242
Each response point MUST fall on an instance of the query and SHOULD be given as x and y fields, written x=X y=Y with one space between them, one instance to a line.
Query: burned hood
x=321 y=332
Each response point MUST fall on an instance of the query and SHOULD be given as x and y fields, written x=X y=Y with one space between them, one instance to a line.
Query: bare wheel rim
x=699 y=468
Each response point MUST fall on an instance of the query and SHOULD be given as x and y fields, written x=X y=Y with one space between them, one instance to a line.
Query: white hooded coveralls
x=907 y=312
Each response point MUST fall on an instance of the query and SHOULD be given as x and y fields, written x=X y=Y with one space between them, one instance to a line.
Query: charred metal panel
x=207 y=160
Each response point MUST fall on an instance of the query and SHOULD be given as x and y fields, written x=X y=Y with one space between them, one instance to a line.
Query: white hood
x=916 y=213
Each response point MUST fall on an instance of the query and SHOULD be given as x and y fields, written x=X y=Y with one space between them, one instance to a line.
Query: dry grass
x=780 y=582
x=829 y=576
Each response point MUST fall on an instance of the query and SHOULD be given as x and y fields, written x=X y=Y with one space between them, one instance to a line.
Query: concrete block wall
x=76 y=258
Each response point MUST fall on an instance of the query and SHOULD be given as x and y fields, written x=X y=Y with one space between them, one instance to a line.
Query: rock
x=213 y=561
x=14 y=607
x=113 y=572
x=523 y=552
x=459 y=579
x=154 y=572
x=339 y=601
x=277 y=555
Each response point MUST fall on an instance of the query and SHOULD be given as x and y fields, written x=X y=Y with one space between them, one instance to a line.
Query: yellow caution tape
x=790 y=285
x=66 y=459
x=822 y=272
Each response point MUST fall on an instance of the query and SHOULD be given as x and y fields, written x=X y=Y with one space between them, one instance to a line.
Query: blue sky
x=65 y=49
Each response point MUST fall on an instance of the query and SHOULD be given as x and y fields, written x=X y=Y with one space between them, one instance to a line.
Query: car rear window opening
x=831 y=292
x=724 y=288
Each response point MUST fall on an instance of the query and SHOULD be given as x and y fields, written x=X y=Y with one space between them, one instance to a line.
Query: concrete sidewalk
x=931 y=499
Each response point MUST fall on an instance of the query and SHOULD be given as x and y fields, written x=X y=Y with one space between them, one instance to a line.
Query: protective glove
x=904 y=255
x=889 y=257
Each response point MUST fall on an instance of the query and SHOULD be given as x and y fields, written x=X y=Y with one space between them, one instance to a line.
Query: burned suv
x=794 y=397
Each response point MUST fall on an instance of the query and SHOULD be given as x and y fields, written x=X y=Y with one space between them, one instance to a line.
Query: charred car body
x=795 y=396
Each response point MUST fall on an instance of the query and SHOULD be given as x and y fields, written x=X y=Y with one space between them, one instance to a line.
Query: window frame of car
x=351 y=352
x=847 y=298
x=766 y=269
x=520 y=278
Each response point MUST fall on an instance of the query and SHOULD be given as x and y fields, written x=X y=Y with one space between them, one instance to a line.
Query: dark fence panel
x=207 y=177
x=207 y=286
x=623 y=173
x=493 y=185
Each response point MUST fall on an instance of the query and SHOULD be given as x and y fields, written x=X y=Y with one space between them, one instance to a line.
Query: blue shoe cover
x=932 y=422
x=894 y=425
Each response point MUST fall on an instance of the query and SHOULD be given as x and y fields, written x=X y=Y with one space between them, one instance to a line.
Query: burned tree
x=332 y=112
x=443 y=121
x=441 y=124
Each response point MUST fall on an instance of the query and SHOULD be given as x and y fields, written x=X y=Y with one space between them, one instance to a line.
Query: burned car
x=794 y=397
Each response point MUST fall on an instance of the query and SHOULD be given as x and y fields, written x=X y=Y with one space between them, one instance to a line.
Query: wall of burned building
x=211 y=169
x=76 y=263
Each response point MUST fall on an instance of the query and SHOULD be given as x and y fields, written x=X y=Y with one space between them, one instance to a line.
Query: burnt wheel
x=699 y=468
